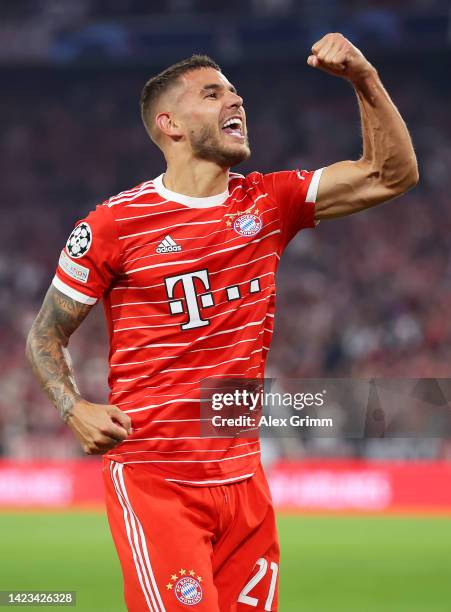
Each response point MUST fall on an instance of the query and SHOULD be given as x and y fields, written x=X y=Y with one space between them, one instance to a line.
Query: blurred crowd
x=64 y=31
x=20 y=9
x=365 y=296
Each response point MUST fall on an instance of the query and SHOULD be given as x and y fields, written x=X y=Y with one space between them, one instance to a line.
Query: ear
x=168 y=126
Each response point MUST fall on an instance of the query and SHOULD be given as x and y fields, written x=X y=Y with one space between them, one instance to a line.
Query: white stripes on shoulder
x=131 y=194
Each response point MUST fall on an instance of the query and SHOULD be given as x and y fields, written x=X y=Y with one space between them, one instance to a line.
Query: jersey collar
x=173 y=196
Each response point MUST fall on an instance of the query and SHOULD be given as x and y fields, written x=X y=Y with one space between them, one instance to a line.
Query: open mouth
x=234 y=127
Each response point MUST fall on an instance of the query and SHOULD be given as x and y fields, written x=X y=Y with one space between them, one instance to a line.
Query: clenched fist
x=336 y=55
x=98 y=427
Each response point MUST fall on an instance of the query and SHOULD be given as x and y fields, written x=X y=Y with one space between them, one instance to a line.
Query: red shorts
x=214 y=548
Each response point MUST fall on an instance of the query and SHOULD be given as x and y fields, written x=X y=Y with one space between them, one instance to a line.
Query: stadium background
x=364 y=522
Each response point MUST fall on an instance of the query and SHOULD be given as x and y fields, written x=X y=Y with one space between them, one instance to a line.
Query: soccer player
x=185 y=264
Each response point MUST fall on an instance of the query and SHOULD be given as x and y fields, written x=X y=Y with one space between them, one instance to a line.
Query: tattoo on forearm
x=58 y=318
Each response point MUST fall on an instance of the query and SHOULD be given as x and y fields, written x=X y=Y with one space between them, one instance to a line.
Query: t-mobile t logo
x=188 y=283
x=190 y=294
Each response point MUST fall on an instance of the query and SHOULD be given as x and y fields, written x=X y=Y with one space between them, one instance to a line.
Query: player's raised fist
x=336 y=55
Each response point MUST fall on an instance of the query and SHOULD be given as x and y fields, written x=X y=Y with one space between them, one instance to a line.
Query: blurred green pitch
x=352 y=564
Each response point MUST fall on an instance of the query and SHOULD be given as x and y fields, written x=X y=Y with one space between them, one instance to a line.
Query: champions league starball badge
x=247 y=224
x=186 y=587
x=79 y=241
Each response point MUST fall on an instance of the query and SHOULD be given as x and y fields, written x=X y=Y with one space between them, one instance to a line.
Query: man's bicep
x=60 y=314
x=348 y=187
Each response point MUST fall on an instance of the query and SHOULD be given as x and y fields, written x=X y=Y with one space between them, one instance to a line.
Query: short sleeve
x=91 y=258
x=295 y=192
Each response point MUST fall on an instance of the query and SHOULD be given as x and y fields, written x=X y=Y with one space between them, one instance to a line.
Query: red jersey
x=188 y=286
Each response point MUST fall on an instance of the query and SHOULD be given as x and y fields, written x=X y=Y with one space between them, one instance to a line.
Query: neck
x=198 y=179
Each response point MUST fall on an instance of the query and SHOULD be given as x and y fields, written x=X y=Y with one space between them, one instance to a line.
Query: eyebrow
x=216 y=86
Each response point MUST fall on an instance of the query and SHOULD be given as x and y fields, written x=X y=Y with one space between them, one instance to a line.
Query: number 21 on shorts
x=247 y=599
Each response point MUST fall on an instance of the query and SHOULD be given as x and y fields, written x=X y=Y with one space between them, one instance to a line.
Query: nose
x=235 y=100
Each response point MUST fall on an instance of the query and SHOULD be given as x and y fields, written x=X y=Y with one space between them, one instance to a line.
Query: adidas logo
x=167 y=245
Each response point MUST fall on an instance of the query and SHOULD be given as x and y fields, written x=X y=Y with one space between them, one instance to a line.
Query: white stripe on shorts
x=137 y=543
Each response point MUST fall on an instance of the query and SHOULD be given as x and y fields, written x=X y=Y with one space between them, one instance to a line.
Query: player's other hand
x=98 y=427
x=336 y=55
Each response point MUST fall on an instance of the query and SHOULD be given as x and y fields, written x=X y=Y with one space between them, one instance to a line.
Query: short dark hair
x=162 y=81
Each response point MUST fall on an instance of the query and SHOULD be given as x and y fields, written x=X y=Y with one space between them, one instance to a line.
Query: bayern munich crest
x=188 y=591
x=79 y=241
x=247 y=224
x=186 y=587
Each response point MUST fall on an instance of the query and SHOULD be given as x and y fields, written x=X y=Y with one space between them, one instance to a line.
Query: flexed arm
x=388 y=166
x=98 y=427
